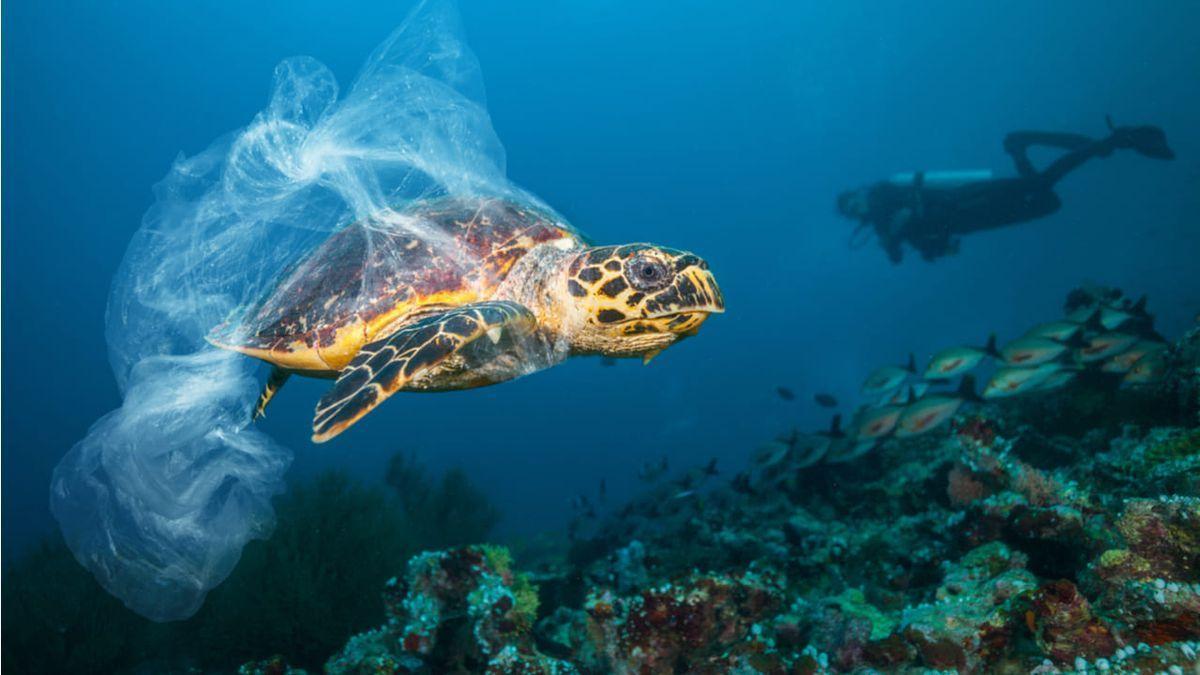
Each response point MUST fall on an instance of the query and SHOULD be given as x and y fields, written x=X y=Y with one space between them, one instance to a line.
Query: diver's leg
x=1072 y=160
x=1017 y=145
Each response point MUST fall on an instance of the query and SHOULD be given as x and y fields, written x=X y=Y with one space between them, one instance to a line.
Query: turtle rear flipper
x=279 y=377
x=458 y=344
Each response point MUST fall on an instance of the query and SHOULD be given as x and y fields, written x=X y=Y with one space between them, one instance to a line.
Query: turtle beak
x=701 y=297
x=707 y=294
x=688 y=301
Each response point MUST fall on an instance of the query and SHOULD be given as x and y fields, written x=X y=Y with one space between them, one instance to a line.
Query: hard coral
x=1165 y=533
x=688 y=625
x=963 y=488
x=1155 y=612
x=977 y=429
x=1065 y=626
x=977 y=613
x=461 y=607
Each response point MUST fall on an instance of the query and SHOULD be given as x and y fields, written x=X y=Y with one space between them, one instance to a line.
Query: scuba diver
x=929 y=210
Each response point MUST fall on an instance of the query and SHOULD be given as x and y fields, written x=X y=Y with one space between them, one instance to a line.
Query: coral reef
x=453 y=610
x=1005 y=541
x=1058 y=532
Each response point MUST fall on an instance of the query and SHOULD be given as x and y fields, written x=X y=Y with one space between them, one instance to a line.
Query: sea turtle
x=458 y=293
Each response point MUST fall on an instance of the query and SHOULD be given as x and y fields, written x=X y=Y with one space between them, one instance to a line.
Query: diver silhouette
x=930 y=210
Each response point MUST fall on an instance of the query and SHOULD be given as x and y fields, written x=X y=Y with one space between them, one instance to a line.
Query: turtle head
x=638 y=299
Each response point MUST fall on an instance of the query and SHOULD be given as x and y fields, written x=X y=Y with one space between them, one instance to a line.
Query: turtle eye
x=646 y=274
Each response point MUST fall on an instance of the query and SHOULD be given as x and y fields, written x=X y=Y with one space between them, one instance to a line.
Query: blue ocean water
x=724 y=131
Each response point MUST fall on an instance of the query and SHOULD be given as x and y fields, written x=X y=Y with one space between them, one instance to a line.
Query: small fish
x=608 y=361
x=905 y=396
x=926 y=415
x=710 y=469
x=1058 y=379
x=1147 y=370
x=652 y=469
x=1056 y=330
x=1032 y=351
x=888 y=378
x=1112 y=319
x=1011 y=381
x=772 y=454
x=934 y=410
x=1082 y=315
x=950 y=363
x=877 y=422
x=807 y=451
x=785 y=393
x=825 y=400
x=847 y=450
x=1123 y=362
x=1101 y=347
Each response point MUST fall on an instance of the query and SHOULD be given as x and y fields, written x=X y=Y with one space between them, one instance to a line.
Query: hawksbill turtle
x=456 y=293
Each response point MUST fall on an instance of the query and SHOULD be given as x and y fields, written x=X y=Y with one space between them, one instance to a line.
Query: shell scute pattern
x=369 y=276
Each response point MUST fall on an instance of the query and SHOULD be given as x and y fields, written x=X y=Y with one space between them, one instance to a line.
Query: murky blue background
x=725 y=129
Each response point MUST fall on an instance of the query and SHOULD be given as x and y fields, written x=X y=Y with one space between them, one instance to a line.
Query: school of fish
x=1103 y=332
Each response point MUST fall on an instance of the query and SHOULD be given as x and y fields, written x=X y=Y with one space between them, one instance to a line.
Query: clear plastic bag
x=160 y=497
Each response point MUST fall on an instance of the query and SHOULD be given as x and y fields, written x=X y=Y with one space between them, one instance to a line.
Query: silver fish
x=1101 y=347
x=888 y=378
x=1058 y=379
x=1032 y=351
x=954 y=361
x=934 y=410
x=903 y=396
x=1124 y=362
x=1112 y=318
x=877 y=422
x=1055 y=330
x=1083 y=314
x=772 y=454
x=848 y=450
x=1147 y=370
x=808 y=450
x=927 y=414
x=1012 y=381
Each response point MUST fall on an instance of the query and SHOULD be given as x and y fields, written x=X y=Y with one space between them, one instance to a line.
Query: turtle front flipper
x=456 y=349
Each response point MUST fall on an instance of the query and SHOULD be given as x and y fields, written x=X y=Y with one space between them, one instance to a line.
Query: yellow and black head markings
x=462 y=293
x=640 y=291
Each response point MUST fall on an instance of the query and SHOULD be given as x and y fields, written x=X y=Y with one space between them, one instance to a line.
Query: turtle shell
x=371 y=275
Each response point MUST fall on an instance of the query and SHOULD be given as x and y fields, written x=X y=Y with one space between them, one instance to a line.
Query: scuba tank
x=940 y=179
